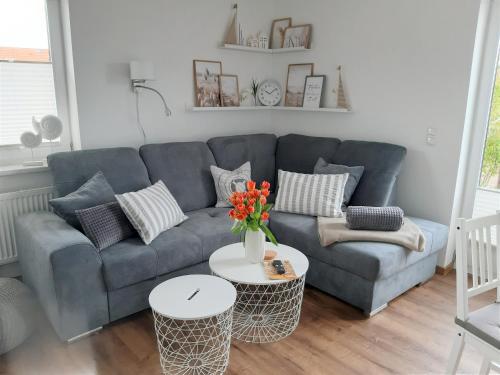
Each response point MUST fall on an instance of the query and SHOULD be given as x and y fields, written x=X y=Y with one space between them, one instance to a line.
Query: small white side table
x=265 y=310
x=193 y=318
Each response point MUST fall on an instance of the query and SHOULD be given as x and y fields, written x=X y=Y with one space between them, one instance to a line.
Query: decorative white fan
x=49 y=127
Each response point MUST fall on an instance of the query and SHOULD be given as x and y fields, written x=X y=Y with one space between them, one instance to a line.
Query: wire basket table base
x=194 y=347
x=267 y=313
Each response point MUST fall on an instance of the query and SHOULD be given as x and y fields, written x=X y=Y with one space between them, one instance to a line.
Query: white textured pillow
x=151 y=211
x=227 y=182
x=311 y=194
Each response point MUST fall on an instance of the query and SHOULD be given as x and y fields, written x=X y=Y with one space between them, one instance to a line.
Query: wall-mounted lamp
x=140 y=72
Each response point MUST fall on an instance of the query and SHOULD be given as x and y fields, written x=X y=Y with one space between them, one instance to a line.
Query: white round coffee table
x=265 y=310
x=193 y=317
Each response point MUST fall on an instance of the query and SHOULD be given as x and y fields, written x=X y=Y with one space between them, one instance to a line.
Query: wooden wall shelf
x=237 y=47
x=263 y=108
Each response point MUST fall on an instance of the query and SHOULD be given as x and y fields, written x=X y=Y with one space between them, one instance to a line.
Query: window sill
x=8 y=170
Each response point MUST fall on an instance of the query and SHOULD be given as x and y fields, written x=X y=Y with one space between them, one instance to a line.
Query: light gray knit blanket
x=374 y=218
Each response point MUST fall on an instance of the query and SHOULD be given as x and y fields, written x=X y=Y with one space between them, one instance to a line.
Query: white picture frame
x=313 y=91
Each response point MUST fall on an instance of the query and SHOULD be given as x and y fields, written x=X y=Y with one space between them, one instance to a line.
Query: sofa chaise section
x=359 y=272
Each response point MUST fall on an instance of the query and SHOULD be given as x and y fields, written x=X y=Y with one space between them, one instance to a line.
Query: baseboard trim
x=376 y=311
x=83 y=335
x=443 y=271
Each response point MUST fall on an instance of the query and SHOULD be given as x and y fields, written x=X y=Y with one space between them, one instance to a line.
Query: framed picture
x=295 y=82
x=313 y=91
x=297 y=36
x=229 y=90
x=206 y=82
x=278 y=32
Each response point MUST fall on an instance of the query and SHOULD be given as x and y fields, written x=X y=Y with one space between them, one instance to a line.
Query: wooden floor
x=412 y=336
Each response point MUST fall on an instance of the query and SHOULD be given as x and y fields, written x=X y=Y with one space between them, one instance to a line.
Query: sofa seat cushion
x=128 y=262
x=176 y=248
x=131 y=261
x=212 y=226
x=259 y=149
x=369 y=260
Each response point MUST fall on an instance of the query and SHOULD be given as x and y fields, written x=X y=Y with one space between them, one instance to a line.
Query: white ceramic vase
x=255 y=242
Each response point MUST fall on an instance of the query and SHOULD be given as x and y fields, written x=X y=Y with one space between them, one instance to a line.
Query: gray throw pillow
x=105 y=224
x=355 y=173
x=227 y=182
x=94 y=192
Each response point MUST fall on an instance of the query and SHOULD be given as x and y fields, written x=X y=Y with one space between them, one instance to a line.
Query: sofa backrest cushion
x=123 y=168
x=382 y=162
x=259 y=149
x=299 y=153
x=185 y=168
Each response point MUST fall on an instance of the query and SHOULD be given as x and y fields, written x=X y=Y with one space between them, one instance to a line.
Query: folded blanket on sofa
x=374 y=218
x=332 y=230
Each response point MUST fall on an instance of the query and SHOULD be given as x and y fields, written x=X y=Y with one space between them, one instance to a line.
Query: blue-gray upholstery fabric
x=128 y=262
x=131 y=299
x=300 y=153
x=259 y=149
x=185 y=168
x=369 y=260
x=374 y=218
x=131 y=261
x=484 y=323
x=122 y=167
x=65 y=270
x=355 y=173
x=365 y=294
x=382 y=162
x=105 y=224
x=212 y=226
x=94 y=192
x=81 y=289
x=176 y=248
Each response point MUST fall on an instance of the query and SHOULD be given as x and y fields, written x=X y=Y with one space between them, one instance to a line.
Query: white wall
x=108 y=34
x=406 y=67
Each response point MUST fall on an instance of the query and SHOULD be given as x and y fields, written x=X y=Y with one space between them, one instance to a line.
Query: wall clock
x=269 y=92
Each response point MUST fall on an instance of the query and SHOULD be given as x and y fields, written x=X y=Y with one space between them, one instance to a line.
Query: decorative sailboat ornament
x=231 y=35
x=341 y=99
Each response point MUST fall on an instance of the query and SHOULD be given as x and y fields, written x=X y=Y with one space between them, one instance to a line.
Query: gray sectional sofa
x=82 y=289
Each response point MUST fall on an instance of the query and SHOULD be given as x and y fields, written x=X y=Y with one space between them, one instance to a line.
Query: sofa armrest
x=64 y=269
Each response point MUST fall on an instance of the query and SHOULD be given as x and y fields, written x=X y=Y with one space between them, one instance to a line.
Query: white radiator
x=12 y=205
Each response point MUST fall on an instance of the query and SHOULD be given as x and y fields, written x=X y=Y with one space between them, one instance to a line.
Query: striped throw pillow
x=311 y=194
x=151 y=211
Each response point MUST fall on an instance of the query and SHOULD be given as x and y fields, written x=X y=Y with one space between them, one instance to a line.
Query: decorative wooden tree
x=231 y=35
x=341 y=99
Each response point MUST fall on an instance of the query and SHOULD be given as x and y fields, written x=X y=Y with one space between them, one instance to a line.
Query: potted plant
x=250 y=213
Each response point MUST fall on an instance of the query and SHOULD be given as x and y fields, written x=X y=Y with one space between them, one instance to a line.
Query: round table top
x=192 y=297
x=229 y=262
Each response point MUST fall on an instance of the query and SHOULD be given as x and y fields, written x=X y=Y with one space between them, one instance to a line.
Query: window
x=32 y=81
x=487 y=199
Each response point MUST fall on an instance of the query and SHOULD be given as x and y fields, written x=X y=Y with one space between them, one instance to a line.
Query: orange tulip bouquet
x=251 y=210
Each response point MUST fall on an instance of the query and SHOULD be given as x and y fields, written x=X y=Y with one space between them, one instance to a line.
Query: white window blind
x=26 y=90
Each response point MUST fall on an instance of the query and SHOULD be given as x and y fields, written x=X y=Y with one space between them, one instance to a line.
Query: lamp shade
x=141 y=70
